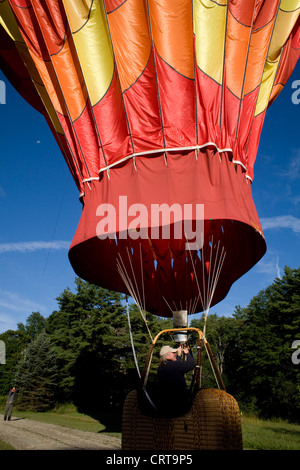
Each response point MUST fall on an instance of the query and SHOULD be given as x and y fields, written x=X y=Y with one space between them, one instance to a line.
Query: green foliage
x=221 y=335
x=265 y=377
x=37 y=375
x=82 y=353
x=87 y=334
x=34 y=325
x=15 y=342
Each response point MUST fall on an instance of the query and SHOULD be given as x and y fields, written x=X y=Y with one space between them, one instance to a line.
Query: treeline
x=82 y=352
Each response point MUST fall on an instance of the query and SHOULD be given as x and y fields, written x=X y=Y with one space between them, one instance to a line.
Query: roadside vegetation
x=258 y=434
x=82 y=354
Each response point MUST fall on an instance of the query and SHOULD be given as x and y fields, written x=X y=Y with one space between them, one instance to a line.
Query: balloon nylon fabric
x=159 y=101
x=135 y=76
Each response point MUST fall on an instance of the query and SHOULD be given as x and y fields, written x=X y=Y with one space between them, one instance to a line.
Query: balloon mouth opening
x=164 y=275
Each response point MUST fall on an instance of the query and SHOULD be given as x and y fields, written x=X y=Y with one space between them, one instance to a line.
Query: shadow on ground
x=111 y=420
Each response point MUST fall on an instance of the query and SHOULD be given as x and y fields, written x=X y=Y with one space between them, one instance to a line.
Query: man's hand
x=181 y=349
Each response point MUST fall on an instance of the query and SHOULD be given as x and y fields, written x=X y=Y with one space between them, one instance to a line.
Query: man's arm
x=187 y=365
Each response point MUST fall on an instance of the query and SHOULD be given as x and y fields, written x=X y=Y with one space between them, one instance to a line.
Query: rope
x=131 y=339
x=213 y=279
x=134 y=355
x=212 y=366
x=129 y=285
x=127 y=281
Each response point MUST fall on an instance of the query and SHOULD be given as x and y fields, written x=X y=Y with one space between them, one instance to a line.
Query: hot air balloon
x=157 y=107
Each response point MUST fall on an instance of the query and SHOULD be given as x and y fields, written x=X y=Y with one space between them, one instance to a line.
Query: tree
x=91 y=337
x=15 y=342
x=36 y=377
x=221 y=336
x=34 y=325
x=87 y=333
x=266 y=377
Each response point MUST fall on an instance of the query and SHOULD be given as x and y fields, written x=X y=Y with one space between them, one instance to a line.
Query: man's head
x=168 y=354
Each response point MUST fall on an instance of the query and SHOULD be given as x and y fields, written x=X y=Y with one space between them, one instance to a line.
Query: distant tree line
x=82 y=353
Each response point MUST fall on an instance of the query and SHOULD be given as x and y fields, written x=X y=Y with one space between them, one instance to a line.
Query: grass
x=68 y=416
x=5 y=446
x=270 y=435
x=257 y=434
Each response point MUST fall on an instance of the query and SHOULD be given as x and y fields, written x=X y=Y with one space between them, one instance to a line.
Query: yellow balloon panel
x=8 y=21
x=93 y=45
x=210 y=40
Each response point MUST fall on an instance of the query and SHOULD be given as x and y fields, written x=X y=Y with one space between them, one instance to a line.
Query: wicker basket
x=212 y=423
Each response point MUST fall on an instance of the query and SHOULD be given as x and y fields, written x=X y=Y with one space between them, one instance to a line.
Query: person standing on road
x=9 y=404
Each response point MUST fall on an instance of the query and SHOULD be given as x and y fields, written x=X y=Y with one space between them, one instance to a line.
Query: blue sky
x=40 y=209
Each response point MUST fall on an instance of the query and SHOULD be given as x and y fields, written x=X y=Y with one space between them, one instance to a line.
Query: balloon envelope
x=157 y=107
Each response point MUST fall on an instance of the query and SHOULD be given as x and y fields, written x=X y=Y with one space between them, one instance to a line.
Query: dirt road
x=26 y=434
